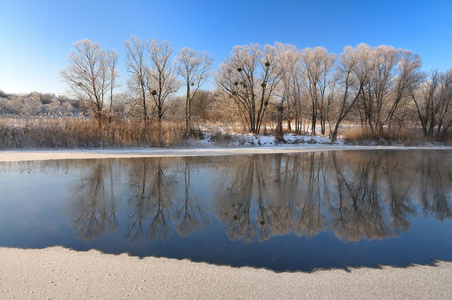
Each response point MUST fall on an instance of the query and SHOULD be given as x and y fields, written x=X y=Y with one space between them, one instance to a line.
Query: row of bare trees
x=433 y=103
x=154 y=76
x=382 y=88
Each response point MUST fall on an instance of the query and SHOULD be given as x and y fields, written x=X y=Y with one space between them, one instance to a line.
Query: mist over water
x=281 y=211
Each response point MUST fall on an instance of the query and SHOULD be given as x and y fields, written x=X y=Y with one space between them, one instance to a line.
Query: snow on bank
x=28 y=155
x=230 y=144
x=248 y=139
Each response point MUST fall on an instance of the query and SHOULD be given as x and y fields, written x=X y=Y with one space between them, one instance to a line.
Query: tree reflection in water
x=189 y=214
x=355 y=194
x=155 y=199
x=153 y=186
x=359 y=207
x=435 y=193
x=368 y=195
x=92 y=207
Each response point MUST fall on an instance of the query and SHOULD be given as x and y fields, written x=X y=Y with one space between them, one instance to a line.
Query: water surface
x=282 y=212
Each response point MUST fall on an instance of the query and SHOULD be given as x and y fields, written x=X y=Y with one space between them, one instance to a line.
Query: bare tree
x=162 y=80
x=88 y=75
x=194 y=68
x=409 y=76
x=299 y=98
x=288 y=57
x=384 y=97
x=353 y=74
x=249 y=77
x=138 y=68
x=113 y=74
x=317 y=65
x=377 y=92
x=433 y=101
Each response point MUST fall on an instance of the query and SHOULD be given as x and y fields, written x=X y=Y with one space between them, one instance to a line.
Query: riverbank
x=59 y=273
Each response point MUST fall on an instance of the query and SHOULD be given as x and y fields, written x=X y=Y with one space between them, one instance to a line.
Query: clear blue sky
x=36 y=36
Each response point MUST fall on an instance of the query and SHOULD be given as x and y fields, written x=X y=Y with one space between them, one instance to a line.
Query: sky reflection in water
x=282 y=212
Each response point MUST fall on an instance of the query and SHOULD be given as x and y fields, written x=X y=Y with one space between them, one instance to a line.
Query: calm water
x=281 y=212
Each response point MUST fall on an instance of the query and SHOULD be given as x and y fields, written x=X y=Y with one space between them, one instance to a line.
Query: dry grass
x=59 y=132
x=84 y=133
x=358 y=135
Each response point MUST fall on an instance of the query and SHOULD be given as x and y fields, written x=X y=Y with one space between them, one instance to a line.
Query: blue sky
x=36 y=36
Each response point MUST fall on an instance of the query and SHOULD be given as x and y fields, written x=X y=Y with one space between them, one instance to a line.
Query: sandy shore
x=59 y=273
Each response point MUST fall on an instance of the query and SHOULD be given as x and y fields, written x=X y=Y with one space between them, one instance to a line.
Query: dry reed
x=407 y=136
x=41 y=132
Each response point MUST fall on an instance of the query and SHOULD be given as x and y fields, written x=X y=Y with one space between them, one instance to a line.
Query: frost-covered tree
x=433 y=101
x=138 y=68
x=377 y=92
x=162 y=79
x=113 y=75
x=317 y=65
x=88 y=75
x=352 y=75
x=288 y=58
x=250 y=77
x=194 y=68
x=409 y=75
x=384 y=95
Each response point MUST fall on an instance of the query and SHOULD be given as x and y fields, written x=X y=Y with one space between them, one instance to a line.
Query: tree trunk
x=187 y=110
x=279 y=136
x=314 y=120
x=159 y=121
x=334 y=134
x=99 y=119
x=322 y=121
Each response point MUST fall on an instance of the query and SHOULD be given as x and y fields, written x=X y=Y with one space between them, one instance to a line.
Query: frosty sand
x=61 y=273
x=66 y=274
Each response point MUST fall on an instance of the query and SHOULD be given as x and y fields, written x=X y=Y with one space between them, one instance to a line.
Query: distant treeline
x=37 y=103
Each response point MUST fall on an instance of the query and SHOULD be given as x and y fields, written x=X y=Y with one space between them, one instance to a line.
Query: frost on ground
x=248 y=140
x=59 y=273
